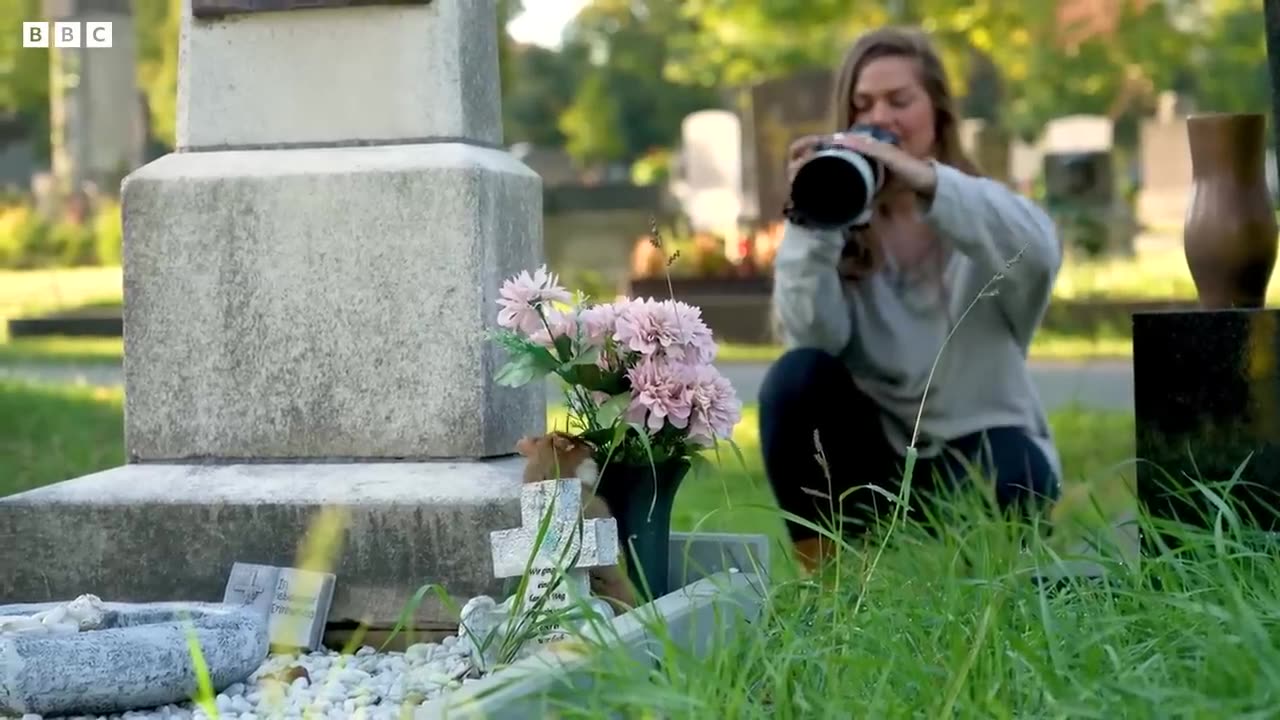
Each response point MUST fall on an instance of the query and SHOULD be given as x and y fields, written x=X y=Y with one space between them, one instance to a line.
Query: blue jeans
x=808 y=390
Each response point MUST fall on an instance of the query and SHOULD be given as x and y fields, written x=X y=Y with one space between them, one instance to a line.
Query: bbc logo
x=67 y=34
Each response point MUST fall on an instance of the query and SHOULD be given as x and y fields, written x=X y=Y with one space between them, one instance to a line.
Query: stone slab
x=1206 y=399
x=294 y=602
x=325 y=304
x=696 y=555
x=139 y=659
x=159 y=532
x=367 y=75
x=692 y=619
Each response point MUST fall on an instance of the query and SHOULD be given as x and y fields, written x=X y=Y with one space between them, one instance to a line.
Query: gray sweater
x=888 y=329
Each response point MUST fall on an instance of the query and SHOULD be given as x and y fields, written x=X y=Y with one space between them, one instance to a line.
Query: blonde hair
x=863 y=252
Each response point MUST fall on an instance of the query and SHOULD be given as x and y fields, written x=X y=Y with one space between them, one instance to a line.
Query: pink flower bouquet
x=638 y=373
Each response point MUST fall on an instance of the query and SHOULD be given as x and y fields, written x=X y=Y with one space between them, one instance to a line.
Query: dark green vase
x=640 y=500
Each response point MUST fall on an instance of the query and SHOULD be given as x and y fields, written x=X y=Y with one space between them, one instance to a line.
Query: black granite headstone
x=1206 y=400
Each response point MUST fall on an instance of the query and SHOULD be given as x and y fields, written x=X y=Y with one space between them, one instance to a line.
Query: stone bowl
x=138 y=659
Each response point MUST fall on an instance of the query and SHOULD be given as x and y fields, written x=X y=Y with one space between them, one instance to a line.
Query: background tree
x=623 y=45
x=24 y=77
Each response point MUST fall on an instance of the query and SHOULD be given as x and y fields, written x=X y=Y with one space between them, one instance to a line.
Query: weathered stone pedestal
x=1206 y=399
x=309 y=283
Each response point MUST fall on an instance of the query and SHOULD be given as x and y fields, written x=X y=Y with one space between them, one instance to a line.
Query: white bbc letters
x=70 y=34
x=35 y=34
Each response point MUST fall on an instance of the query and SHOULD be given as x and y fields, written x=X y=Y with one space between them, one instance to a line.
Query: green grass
x=51 y=433
x=63 y=350
x=27 y=292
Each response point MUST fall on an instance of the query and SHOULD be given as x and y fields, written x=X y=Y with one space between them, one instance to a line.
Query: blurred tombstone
x=553 y=165
x=1165 y=159
x=782 y=110
x=988 y=145
x=1080 y=189
x=95 y=134
x=709 y=188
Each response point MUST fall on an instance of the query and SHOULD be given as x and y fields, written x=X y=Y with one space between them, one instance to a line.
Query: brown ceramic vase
x=1230 y=232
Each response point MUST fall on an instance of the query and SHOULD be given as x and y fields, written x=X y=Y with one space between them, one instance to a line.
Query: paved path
x=1103 y=385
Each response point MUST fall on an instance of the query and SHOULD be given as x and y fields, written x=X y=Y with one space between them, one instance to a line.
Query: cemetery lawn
x=50 y=433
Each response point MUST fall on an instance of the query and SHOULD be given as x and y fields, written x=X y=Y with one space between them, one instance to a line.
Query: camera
x=836 y=187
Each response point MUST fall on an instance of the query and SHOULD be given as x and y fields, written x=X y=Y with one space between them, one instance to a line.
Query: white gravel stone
x=370 y=685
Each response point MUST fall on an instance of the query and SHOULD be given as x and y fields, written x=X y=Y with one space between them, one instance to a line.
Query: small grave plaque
x=218 y=8
x=294 y=602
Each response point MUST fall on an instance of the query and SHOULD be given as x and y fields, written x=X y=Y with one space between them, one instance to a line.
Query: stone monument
x=96 y=120
x=1081 y=192
x=309 y=280
x=710 y=184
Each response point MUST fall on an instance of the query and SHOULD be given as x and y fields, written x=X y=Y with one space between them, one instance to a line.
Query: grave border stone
x=72 y=673
x=716 y=594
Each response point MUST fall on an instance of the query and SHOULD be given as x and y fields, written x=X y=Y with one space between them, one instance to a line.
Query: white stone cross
x=596 y=546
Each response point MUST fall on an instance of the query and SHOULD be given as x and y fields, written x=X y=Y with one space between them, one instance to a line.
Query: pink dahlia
x=659 y=394
x=666 y=328
x=599 y=322
x=696 y=343
x=647 y=327
x=521 y=297
x=561 y=324
x=714 y=405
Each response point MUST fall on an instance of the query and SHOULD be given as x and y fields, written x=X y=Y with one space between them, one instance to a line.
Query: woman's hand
x=905 y=169
x=799 y=152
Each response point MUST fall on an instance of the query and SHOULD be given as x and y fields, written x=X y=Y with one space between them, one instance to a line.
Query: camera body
x=837 y=187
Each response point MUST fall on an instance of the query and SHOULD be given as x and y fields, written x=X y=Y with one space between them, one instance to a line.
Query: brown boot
x=813 y=552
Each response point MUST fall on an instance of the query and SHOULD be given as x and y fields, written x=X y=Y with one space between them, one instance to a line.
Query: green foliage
x=540 y=85
x=593 y=123
x=156 y=30
x=625 y=104
x=28 y=240
x=24 y=77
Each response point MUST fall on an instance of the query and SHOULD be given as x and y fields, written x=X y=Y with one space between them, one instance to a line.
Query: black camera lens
x=829 y=191
x=837 y=186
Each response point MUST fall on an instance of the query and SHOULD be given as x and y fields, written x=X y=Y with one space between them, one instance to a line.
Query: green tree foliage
x=619 y=49
x=593 y=125
x=632 y=69
x=541 y=86
x=24 y=72
x=156 y=25
x=1230 y=58
x=1047 y=69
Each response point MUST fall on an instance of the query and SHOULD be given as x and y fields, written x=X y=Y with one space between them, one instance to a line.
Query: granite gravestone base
x=1207 y=406
x=137 y=658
